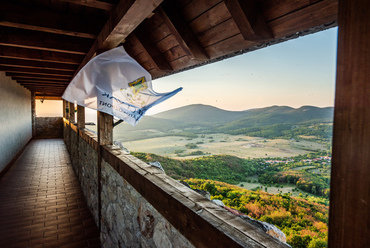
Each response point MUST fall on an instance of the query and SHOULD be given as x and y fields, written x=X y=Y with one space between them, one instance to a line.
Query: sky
x=293 y=73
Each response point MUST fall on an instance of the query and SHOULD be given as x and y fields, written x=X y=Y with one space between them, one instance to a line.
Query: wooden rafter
x=37 y=97
x=42 y=85
x=38 y=77
x=45 y=89
x=92 y=3
x=324 y=11
x=31 y=18
x=33 y=80
x=45 y=92
x=273 y=9
x=37 y=64
x=51 y=83
x=156 y=58
x=181 y=31
x=249 y=19
x=39 y=55
x=35 y=71
x=124 y=19
x=43 y=41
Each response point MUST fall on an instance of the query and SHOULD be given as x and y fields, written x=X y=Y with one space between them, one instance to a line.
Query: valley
x=272 y=164
x=201 y=130
x=220 y=143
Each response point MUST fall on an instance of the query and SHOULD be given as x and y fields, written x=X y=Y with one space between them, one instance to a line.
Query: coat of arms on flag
x=116 y=84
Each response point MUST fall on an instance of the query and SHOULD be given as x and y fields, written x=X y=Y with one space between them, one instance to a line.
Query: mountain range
x=197 y=118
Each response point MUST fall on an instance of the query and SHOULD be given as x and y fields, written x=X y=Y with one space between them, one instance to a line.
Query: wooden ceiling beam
x=43 y=85
x=43 y=93
x=249 y=19
x=59 y=91
x=181 y=31
x=318 y=13
x=125 y=17
x=37 y=64
x=43 y=41
x=34 y=80
x=156 y=58
x=47 y=96
x=55 y=83
x=38 y=97
x=35 y=71
x=39 y=55
x=45 y=89
x=38 y=77
x=92 y=3
x=31 y=18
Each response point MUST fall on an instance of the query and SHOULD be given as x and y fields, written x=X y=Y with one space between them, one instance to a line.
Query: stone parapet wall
x=84 y=158
x=88 y=176
x=142 y=207
x=49 y=128
x=129 y=220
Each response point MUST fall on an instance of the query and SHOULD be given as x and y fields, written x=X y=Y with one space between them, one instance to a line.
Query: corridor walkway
x=41 y=203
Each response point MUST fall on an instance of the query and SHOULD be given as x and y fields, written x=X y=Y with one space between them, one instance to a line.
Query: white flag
x=116 y=84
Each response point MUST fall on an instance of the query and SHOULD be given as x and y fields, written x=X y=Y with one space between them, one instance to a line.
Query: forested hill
x=200 y=118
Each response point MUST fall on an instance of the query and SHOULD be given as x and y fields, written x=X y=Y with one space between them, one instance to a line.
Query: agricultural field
x=222 y=144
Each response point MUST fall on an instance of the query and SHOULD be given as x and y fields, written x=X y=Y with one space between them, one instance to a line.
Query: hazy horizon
x=91 y=114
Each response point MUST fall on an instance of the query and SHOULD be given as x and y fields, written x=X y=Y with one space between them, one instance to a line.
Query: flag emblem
x=138 y=85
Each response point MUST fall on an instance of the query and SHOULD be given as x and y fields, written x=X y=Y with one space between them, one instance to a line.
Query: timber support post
x=105 y=137
x=33 y=111
x=71 y=112
x=349 y=217
x=80 y=117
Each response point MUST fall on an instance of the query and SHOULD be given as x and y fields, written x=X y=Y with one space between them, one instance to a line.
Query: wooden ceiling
x=43 y=43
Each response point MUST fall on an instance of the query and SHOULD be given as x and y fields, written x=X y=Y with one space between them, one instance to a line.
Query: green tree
x=317 y=243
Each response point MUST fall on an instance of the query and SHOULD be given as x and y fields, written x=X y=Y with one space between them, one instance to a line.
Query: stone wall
x=128 y=220
x=142 y=207
x=84 y=158
x=88 y=175
x=49 y=127
x=131 y=221
x=15 y=119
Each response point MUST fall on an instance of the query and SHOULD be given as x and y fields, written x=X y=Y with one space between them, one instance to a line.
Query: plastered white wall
x=15 y=119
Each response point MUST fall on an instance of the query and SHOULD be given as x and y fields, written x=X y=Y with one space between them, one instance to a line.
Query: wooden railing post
x=105 y=137
x=67 y=110
x=80 y=117
x=72 y=112
x=33 y=112
x=64 y=109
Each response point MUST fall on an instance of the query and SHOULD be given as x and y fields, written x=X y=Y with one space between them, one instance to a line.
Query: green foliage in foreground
x=223 y=168
x=305 y=223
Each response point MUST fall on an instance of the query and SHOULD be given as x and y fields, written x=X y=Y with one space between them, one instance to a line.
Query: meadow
x=222 y=144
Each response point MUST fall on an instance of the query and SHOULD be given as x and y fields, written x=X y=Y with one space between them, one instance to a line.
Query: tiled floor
x=41 y=203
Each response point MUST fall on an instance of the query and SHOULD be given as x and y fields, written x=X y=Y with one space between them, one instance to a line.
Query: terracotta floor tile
x=41 y=202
